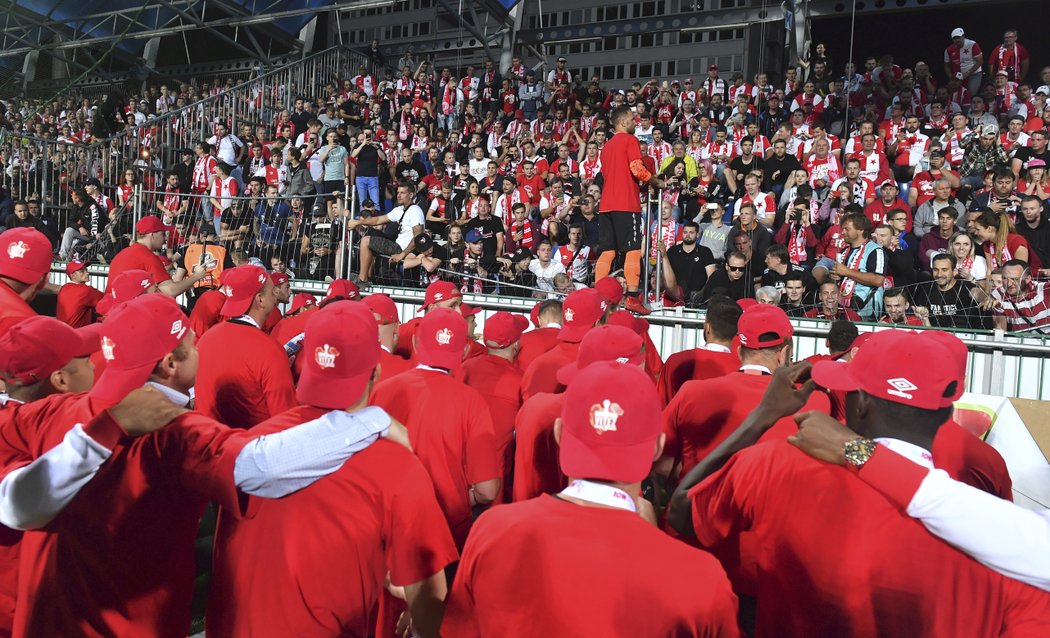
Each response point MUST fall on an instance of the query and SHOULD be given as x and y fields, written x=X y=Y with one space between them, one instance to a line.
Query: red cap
x=888 y=182
x=441 y=338
x=37 y=346
x=278 y=278
x=440 y=291
x=342 y=289
x=302 y=301
x=959 y=355
x=340 y=352
x=502 y=329
x=383 y=306
x=25 y=255
x=604 y=343
x=150 y=224
x=74 y=266
x=639 y=325
x=611 y=289
x=764 y=326
x=135 y=337
x=240 y=285
x=468 y=311
x=127 y=285
x=746 y=303
x=581 y=310
x=611 y=420
x=534 y=314
x=918 y=374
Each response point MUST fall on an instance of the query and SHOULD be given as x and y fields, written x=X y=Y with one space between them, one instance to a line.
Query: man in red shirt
x=25 y=264
x=449 y=424
x=714 y=359
x=385 y=312
x=536 y=469
x=703 y=413
x=828 y=308
x=583 y=309
x=814 y=583
x=333 y=543
x=619 y=215
x=888 y=200
x=125 y=287
x=244 y=376
x=142 y=255
x=523 y=563
x=76 y=300
x=291 y=326
x=439 y=294
x=282 y=293
x=496 y=376
x=544 y=337
x=895 y=302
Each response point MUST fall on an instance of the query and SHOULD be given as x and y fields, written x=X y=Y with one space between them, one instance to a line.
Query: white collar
x=386 y=348
x=747 y=367
x=910 y=451
x=716 y=347
x=248 y=319
x=426 y=367
x=173 y=395
x=600 y=494
x=553 y=324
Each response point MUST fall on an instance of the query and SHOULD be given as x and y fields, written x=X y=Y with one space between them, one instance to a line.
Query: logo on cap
x=107 y=348
x=17 y=250
x=901 y=387
x=438 y=296
x=325 y=356
x=176 y=328
x=443 y=337
x=262 y=278
x=145 y=284
x=605 y=415
x=622 y=359
x=228 y=291
x=569 y=314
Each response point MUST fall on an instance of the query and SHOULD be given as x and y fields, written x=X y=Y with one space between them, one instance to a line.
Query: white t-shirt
x=545 y=276
x=412 y=217
x=479 y=168
x=227 y=148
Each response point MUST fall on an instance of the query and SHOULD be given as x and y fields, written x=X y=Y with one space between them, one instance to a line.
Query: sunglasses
x=736 y=268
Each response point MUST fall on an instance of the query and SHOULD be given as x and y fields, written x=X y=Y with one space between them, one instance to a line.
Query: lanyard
x=601 y=494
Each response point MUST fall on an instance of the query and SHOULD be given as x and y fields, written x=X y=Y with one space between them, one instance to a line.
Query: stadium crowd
x=545 y=475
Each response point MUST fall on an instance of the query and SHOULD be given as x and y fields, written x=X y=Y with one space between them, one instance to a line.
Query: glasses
x=736 y=268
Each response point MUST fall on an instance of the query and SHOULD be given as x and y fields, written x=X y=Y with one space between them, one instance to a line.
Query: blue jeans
x=368 y=188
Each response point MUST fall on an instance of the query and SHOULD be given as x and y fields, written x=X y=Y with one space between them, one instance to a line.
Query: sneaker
x=636 y=306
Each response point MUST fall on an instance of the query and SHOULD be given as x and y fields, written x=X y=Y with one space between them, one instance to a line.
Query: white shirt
x=545 y=275
x=409 y=218
x=227 y=148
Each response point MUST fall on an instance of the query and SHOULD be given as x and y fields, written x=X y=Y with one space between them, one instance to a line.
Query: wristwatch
x=858 y=451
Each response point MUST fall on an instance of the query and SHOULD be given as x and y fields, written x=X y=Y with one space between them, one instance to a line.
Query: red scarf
x=527 y=240
x=797 y=244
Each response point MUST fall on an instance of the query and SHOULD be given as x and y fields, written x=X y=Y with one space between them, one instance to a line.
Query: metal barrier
x=999 y=365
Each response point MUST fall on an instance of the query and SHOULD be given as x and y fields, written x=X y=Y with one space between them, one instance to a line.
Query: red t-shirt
x=499 y=382
x=287 y=329
x=537 y=468
x=450 y=429
x=704 y=413
x=532 y=188
x=205 y=313
x=75 y=304
x=243 y=377
x=970 y=460
x=327 y=547
x=405 y=332
x=525 y=565
x=272 y=320
x=137 y=257
x=869 y=570
x=391 y=364
x=119 y=559
x=691 y=365
x=620 y=191
x=13 y=308
x=877 y=211
x=534 y=343
x=10 y=543
x=540 y=376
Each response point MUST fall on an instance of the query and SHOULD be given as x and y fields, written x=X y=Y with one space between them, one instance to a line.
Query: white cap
x=1045 y=90
x=958 y=33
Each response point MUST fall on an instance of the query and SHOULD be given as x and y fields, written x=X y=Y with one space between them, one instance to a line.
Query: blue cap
x=473 y=236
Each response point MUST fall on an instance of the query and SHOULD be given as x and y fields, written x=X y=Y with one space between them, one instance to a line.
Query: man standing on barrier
x=620 y=216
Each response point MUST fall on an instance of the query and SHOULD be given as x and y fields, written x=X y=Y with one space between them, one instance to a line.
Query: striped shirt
x=1030 y=311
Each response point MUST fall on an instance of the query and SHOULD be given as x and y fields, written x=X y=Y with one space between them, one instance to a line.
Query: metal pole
x=646 y=248
x=350 y=197
x=659 y=238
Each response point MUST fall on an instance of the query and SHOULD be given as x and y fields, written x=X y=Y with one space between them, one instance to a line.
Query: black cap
x=424 y=242
x=368 y=203
x=92 y=181
x=521 y=254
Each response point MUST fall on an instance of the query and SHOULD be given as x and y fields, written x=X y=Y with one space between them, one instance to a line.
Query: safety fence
x=999 y=364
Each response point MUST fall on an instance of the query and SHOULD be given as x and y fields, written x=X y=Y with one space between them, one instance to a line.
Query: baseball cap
x=240 y=285
x=74 y=265
x=439 y=291
x=534 y=314
x=958 y=32
x=990 y=129
x=604 y=343
x=441 y=338
x=150 y=224
x=424 y=242
x=581 y=310
x=340 y=352
x=383 y=306
x=25 y=255
x=1035 y=163
x=888 y=182
x=37 y=346
x=278 y=278
x=1044 y=89
x=922 y=372
x=959 y=355
x=302 y=301
x=341 y=289
x=1003 y=72
x=611 y=420
x=627 y=319
x=503 y=328
x=611 y=289
x=134 y=338
x=713 y=67
x=472 y=237
x=938 y=152
x=520 y=255
x=468 y=311
x=93 y=181
x=764 y=326
x=127 y=285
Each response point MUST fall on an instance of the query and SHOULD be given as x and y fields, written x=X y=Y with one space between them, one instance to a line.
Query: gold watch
x=858 y=451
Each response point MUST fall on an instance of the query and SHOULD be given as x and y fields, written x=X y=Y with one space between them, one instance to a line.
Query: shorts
x=619 y=231
x=827 y=263
x=383 y=245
